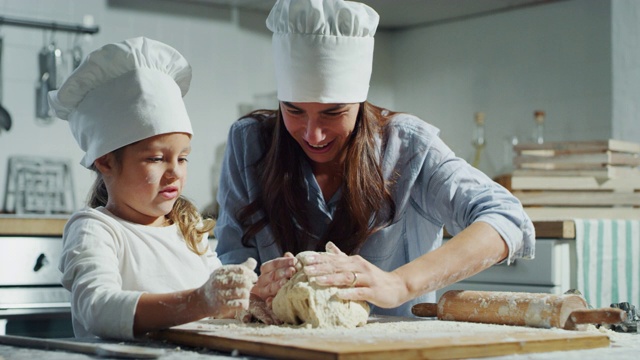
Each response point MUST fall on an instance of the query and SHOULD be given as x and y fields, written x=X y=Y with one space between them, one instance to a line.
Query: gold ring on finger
x=355 y=279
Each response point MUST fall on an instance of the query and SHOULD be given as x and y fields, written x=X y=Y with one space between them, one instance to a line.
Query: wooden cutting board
x=381 y=338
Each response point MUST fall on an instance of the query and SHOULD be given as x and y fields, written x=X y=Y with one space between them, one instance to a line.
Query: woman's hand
x=359 y=279
x=273 y=275
x=228 y=288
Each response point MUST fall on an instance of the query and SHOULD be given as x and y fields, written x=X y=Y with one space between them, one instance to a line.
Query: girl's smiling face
x=145 y=179
x=321 y=130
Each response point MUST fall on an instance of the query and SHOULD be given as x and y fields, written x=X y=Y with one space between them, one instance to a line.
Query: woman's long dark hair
x=366 y=204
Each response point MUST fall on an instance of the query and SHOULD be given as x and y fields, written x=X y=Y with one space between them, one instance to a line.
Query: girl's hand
x=258 y=311
x=228 y=288
x=359 y=279
x=273 y=275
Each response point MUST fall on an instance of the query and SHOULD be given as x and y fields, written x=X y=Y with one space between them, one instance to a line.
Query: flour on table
x=377 y=328
x=300 y=302
x=415 y=333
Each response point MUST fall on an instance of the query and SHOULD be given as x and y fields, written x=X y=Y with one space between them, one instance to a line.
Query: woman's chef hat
x=323 y=50
x=122 y=93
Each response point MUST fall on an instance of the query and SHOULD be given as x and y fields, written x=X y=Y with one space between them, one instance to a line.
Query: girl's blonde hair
x=183 y=213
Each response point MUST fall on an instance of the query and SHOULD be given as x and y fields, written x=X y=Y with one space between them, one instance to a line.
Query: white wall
x=554 y=57
x=625 y=34
x=229 y=52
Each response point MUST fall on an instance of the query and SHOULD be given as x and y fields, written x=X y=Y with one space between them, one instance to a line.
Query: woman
x=330 y=170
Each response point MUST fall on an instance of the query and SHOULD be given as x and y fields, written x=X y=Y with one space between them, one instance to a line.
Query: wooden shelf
x=13 y=225
x=565 y=229
x=36 y=226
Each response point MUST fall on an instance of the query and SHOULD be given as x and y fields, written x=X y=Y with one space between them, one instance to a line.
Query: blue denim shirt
x=433 y=188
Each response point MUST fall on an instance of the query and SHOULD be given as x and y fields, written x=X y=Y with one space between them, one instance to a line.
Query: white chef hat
x=323 y=49
x=122 y=93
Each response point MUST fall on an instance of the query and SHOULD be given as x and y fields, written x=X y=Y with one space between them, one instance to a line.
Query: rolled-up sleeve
x=457 y=194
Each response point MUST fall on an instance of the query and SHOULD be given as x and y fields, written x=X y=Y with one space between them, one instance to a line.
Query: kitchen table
x=623 y=346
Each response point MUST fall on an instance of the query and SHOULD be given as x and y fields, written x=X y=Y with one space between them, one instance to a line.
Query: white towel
x=608 y=254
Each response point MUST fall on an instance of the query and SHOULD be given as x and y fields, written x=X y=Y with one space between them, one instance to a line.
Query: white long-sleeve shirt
x=107 y=263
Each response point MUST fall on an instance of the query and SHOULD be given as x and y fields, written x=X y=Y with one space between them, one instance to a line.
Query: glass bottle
x=508 y=154
x=481 y=159
x=478 y=138
x=538 y=133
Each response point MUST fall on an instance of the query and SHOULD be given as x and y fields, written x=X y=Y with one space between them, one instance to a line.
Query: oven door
x=32 y=301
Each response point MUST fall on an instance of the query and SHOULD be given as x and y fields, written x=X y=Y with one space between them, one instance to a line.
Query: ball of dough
x=300 y=302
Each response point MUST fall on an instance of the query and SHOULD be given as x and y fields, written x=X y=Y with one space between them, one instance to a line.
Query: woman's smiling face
x=321 y=130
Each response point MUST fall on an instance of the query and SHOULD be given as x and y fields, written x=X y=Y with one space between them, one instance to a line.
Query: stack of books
x=578 y=179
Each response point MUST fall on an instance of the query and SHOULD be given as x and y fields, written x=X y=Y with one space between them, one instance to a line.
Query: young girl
x=137 y=260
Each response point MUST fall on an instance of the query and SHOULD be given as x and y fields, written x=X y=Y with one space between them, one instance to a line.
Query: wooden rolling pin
x=522 y=309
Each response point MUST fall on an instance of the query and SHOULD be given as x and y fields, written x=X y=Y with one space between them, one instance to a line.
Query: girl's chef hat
x=323 y=50
x=122 y=93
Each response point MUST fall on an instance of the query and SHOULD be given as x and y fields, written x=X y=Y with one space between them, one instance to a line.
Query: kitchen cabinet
x=553 y=270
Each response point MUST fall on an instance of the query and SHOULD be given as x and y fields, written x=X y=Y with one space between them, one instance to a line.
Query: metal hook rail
x=48 y=25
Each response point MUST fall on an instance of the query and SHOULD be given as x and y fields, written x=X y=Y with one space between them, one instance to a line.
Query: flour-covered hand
x=228 y=288
x=258 y=311
x=273 y=275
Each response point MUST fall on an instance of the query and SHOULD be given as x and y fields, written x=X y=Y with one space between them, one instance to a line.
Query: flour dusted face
x=300 y=302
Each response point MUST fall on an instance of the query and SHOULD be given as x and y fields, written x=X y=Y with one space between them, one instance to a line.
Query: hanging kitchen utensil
x=42 y=103
x=5 y=118
x=50 y=60
x=51 y=77
x=76 y=53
